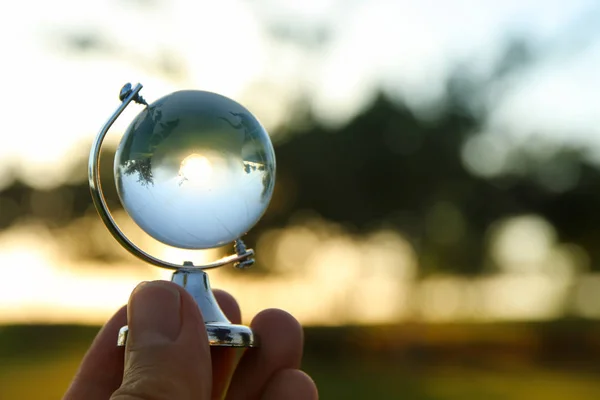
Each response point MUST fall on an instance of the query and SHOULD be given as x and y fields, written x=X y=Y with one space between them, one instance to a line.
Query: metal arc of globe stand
x=221 y=332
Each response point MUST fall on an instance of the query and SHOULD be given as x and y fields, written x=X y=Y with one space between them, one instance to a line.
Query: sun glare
x=196 y=169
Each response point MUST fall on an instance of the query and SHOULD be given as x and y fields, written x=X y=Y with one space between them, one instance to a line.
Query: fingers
x=101 y=370
x=167 y=354
x=290 y=384
x=281 y=341
x=223 y=358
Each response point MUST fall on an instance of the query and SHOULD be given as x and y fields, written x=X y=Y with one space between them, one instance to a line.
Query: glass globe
x=195 y=170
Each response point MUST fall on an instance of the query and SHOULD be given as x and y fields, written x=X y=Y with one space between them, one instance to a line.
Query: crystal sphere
x=195 y=170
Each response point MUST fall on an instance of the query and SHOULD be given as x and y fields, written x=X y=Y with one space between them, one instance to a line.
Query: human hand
x=167 y=356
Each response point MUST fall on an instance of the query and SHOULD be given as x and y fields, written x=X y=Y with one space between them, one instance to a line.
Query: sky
x=65 y=61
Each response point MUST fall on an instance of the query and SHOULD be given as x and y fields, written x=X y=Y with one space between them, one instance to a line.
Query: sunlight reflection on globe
x=195 y=170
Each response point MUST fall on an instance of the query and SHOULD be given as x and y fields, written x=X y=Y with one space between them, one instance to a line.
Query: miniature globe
x=195 y=170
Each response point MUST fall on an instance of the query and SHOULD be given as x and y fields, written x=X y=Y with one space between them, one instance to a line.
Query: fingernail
x=154 y=314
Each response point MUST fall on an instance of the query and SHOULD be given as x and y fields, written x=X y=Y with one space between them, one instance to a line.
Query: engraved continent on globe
x=195 y=170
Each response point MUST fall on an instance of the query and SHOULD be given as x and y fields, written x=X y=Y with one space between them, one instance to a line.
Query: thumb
x=167 y=354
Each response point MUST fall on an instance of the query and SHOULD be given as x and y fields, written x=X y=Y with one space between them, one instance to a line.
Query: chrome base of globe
x=242 y=258
x=220 y=331
x=219 y=335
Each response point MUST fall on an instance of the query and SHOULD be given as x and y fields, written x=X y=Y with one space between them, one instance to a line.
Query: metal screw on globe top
x=195 y=170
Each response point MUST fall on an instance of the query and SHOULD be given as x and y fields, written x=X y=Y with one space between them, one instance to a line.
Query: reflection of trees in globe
x=141 y=161
x=256 y=158
x=268 y=181
x=150 y=124
x=143 y=167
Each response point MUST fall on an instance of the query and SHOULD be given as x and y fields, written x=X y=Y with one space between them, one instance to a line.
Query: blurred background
x=435 y=218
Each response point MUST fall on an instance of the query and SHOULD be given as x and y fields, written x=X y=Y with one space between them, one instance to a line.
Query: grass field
x=38 y=363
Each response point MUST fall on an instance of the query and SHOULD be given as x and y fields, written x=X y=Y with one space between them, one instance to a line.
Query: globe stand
x=221 y=332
